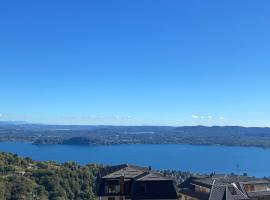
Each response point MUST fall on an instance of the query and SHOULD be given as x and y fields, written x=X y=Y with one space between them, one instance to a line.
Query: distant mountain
x=13 y=122
x=221 y=130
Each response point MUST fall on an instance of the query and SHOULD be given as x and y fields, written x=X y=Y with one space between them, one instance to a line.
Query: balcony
x=112 y=189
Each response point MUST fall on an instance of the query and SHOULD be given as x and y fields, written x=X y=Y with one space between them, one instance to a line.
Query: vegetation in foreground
x=26 y=179
x=23 y=178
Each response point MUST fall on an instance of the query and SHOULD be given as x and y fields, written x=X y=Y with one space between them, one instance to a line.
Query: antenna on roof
x=123 y=173
x=212 y=174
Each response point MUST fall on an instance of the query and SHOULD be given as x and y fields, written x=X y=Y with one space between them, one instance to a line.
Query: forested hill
x=104 y=135
x=23 y=178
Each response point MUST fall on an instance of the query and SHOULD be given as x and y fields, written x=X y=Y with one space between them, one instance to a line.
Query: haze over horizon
x=135 y=62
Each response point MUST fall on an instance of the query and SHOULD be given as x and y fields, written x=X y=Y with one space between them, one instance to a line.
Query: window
x=249 y=188
x=112 y=188
x=252 y=188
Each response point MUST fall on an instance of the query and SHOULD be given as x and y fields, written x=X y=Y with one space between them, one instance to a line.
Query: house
x=129 y=182
x=223 y=187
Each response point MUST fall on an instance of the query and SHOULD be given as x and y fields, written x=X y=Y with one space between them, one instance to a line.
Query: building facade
x=128 y=182
x=222 y=187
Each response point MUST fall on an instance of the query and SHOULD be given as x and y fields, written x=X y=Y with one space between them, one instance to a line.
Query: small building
x=223 y=187
x=129 y=182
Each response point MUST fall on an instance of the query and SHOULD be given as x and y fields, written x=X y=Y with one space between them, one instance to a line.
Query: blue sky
x=177 y=62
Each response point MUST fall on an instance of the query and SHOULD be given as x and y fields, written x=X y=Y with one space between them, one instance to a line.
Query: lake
x=201 y=159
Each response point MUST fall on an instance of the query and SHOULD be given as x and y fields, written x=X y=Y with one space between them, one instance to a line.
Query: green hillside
x=23 y=178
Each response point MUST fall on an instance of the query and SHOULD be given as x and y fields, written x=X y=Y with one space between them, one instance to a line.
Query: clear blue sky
x=176 y=62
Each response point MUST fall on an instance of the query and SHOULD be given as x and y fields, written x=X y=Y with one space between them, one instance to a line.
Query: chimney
x=122 y=184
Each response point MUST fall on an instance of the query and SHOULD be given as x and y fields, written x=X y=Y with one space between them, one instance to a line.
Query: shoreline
x=123 y=144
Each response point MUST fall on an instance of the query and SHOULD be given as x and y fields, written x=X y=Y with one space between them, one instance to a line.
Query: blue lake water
x=202 y=159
